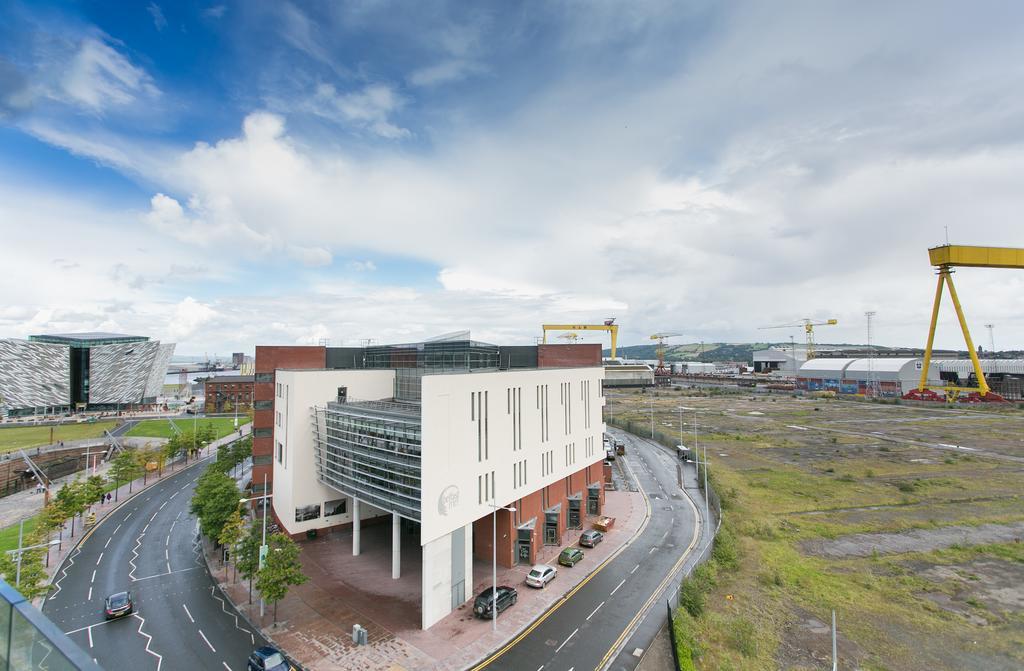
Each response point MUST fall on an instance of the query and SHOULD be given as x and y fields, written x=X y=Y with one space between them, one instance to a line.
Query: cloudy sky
x=223 y=175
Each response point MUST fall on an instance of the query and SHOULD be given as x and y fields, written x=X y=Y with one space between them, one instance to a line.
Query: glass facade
x=370 y=450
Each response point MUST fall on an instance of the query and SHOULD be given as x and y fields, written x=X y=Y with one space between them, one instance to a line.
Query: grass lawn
x=9 y=535
x=161 y=428
x=23 y=437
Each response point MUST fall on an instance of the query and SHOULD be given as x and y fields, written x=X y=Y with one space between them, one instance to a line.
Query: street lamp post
x=652 y=418
x=18 y=553
x=494 y=566
x=263 y=545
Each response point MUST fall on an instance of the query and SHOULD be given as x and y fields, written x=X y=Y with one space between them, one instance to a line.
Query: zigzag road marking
x=149 y=639
x=135 y=555
x=64 y=571
x=223 y=607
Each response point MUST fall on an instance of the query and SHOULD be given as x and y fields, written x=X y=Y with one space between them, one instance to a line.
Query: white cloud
x=159 y=20
x=99 y=77
x=444 y=72
x=188 y=316
x=368 y=108
x=361 y=266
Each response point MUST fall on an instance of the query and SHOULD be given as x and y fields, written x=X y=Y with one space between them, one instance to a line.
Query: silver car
x=540 y=575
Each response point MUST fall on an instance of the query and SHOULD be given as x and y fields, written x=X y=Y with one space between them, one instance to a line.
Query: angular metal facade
x=34 y=375
x=119 y=373
x=158 y=371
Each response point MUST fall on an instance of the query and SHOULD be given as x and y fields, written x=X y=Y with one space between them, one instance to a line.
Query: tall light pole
x=263 y=545
x=680 y=408
x=494 y=566
x=17 y=553
x=652 y=418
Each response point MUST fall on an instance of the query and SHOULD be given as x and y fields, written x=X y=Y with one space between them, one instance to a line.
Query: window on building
x=280 y=452
x=263 y=405
x=262 y=432
x=264 y=378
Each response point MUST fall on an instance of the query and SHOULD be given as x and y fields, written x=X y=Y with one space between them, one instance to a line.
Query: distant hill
x=713 y=351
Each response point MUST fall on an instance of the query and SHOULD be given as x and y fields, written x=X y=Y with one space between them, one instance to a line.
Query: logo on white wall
x=448 y=499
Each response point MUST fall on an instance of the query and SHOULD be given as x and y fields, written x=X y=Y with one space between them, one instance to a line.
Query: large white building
x=878 y=376
x=436 y=448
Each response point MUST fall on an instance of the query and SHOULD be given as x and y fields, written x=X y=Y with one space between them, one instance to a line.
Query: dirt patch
x=918 y=540
x=992 y=584
x=806 y=643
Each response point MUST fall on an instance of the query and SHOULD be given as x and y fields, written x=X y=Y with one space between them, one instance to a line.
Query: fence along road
x=609 y=615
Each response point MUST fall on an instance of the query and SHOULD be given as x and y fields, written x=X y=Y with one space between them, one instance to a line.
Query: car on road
x=268 y=658
x=483 y=605
x=570 y=557
x=118 y=605
x=540 y=575
x=591 y=538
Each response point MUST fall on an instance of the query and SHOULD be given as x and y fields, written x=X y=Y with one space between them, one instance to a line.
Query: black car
x=118 y=605
x=483 y=605
x=267 y=658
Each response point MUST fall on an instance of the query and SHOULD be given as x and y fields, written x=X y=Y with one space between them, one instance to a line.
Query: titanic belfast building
x=80 y=371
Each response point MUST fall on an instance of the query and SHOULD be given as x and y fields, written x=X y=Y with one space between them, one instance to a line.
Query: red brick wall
x=529 y=507
x=568 y=356
x=268 y=359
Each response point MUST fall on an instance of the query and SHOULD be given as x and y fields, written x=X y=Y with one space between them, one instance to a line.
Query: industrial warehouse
x=436 y=438
x=80 y=371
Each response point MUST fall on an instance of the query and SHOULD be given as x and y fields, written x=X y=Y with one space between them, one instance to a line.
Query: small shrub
x=726 y=552
x=743 y=637
x=949 y=460
x=884 y=448
x=846 y=477
x=906 y=486
x=691 y=597
x=869 y=473
x=830 y=470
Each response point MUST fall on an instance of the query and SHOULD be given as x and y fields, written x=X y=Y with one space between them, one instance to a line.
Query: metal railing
x=29 y=640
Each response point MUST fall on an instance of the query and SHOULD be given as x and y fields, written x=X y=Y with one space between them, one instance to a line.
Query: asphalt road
x=621 y=607
x=150 y=547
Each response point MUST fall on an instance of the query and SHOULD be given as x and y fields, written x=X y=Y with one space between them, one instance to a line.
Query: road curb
x=504 y=647
x=242 y=613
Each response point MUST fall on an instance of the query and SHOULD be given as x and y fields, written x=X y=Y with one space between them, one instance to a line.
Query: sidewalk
x=125 y=492
x=315 y=620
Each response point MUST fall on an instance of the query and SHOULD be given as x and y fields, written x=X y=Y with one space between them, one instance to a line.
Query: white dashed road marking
x=191 y=619
x=595 y=610
x=559 y=648
x=617 y=587
x=207 y=640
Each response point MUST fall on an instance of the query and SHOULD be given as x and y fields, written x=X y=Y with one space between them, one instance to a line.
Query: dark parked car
x=570 y=557
x=268 y=659
x=118 y=605
x=483 y=605
x=591 y=538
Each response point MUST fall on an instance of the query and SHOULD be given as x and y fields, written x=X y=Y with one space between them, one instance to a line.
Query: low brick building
x=228 y=393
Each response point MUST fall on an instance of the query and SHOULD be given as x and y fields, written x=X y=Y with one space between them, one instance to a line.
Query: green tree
x=215 y=498
x=174 y=446
x=247 y=555
x=232 y=533
x=206 y=435
x=72 y=498
x=52 y=518
x=94 y=487
x=124 y=468
x=241 y=449
x=281 y=570
x=33 y=580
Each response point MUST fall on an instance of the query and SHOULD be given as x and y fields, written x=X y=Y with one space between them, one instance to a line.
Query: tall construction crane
x=570 y=337
x=609 y=325
x=808 y=329
x=945 y=258
x=662 y=372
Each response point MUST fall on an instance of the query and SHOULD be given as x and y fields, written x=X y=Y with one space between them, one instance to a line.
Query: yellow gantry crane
x=570 y=337
x=945 y=258
x=661 y=371
x=808 y=329
x=608 y=325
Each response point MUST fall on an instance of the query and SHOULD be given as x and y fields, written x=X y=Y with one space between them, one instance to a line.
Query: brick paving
x=316 y=619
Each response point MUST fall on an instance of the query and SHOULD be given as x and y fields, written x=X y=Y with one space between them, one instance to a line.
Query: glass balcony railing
x=28 y=640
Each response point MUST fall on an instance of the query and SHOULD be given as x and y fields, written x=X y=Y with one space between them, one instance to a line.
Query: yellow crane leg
x=982 y=384
x=615 y=336
x=931 y=329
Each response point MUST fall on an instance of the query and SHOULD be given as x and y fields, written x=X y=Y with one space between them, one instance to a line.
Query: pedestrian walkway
x=123 y=494
x=316 y=619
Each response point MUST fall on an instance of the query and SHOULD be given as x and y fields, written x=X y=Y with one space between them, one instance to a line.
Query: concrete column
x=396 y=546
x=355 y=528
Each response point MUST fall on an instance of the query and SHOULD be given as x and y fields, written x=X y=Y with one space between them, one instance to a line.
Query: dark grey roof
x=88 y=335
